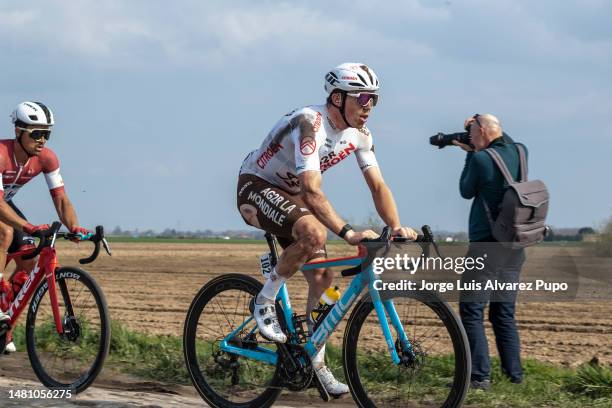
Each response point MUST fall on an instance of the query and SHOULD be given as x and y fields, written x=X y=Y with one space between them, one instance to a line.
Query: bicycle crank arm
x=321 y=388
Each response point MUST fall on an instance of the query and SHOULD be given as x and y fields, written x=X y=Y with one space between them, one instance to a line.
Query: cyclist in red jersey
x=22 y=159
x=279 y=190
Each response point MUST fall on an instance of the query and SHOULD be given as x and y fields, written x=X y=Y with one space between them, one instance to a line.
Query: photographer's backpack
x=522 y=212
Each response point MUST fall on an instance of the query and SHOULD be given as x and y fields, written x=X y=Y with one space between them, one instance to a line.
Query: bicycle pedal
x=322 y=391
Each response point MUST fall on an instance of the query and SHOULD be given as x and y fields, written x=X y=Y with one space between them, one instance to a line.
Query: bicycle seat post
x=271 y=240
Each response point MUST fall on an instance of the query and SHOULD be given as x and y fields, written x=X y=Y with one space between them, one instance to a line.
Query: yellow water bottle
x=326 y=302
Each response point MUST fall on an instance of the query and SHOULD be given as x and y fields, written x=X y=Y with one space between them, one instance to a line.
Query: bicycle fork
x=50 y=275
x=386 y=308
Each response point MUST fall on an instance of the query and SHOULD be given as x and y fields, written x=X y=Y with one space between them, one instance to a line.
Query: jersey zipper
x=18 y=173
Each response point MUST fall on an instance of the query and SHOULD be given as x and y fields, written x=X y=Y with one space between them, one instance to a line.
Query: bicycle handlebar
x=385 y=239
x=385 y=236
x=47 y=238
x=44 y=239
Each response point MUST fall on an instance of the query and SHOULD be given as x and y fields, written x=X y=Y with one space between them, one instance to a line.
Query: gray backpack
x=522 y=212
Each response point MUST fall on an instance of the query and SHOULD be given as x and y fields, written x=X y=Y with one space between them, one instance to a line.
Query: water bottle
x=19 y=278
x=326 y=302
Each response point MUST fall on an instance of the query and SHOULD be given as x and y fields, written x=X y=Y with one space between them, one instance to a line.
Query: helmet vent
x=356 y=84
x=367 y=70
x=362 y=79
x=33 y=117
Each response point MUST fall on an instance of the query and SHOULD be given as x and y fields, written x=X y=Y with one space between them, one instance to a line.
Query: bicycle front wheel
x=435 y=369
x=71 y=360
x=225 y=379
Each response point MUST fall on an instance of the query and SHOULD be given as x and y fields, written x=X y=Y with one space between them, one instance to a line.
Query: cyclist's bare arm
x=385 y=203
x=319 y=205
x=9 y=216
x=65 y=211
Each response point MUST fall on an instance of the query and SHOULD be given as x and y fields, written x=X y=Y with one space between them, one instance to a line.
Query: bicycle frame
x=383 y=309
x=44 y=268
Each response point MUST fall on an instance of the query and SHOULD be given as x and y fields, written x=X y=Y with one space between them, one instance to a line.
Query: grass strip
x=160 y=358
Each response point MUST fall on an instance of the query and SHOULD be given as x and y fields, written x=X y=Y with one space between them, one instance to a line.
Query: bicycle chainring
x=300 y=378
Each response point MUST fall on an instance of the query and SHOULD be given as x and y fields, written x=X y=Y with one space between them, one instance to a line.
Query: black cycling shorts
x=21 y=240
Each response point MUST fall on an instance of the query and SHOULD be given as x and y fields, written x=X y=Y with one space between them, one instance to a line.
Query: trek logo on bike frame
x=24 y=290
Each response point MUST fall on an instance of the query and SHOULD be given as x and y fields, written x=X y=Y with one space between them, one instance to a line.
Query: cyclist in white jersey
x=279 y=190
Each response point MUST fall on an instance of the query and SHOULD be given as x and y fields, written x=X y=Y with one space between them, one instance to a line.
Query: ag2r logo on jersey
x=308 y=146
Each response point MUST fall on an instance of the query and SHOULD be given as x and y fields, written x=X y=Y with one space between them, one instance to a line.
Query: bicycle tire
x=246 y=288
x=388 y=393
x=90 y=316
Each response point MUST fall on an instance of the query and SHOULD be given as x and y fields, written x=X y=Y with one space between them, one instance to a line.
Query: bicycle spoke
x=231 y=377
x=74 y=358
x=422 y=377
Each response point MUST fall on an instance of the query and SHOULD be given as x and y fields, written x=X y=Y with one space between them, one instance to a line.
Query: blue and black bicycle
x=400 y=349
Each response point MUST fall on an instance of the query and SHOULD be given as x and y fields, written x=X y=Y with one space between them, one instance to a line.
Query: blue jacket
x=482 y=180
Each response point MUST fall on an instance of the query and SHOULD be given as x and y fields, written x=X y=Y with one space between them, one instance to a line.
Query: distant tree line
x=560 y=234
x=174 y=233
x=567 y=235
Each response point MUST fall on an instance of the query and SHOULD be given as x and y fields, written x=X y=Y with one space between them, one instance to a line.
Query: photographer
x=482 y=181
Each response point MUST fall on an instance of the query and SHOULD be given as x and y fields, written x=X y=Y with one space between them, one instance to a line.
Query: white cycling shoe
x=267 y=322
x=10 y=348
x=333 y=387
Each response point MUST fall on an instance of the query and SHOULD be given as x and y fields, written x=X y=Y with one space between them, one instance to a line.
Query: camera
x=441 y=140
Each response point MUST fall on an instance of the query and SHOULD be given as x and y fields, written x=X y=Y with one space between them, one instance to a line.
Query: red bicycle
x=67 y=335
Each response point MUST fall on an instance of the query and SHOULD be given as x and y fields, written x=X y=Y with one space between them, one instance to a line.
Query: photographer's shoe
x=333 y=387
x=484 y=385
x=267 y=322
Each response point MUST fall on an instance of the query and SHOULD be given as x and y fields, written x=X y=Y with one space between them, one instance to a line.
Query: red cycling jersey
x=14 y=175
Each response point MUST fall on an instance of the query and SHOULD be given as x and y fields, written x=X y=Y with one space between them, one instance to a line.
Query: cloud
x=120 y=34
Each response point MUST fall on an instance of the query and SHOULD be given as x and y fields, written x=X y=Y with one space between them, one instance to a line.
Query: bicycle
x=78 y=321
x=232 y=366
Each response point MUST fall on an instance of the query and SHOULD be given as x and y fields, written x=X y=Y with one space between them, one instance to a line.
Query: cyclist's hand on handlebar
x=355 y=237
x=406 y=232
x=35 y=230
x=81 y=233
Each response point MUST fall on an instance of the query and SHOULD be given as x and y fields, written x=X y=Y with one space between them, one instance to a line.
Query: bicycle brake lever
x=106 y=247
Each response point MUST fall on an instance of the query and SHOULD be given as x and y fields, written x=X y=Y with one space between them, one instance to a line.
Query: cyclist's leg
x=272 y=209
x=318 y=280
x=308 y=239
x=20 y=242
x=6 y=239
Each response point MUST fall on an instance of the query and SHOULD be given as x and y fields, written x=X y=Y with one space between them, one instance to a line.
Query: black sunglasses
x=38 y=134
x=475 y=117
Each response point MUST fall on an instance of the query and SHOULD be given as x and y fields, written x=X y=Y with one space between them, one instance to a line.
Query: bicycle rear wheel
x=435 y=374
x=74 y=359
x=223 y=379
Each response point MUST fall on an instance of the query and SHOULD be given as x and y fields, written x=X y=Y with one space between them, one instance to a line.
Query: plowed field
x=149 y=288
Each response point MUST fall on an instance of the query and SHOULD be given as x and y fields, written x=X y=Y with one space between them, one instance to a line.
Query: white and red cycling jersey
x=303 y=140
x=14 y=176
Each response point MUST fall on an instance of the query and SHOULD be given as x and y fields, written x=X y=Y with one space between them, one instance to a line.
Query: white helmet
x=351 y=77
x=32 y=113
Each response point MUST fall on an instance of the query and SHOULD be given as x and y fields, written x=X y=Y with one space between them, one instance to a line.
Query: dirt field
x=149 y=287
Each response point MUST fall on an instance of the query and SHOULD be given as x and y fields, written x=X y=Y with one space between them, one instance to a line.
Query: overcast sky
x=158 y=102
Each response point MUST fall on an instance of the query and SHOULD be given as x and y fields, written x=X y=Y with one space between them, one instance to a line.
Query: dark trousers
x=503 y=265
